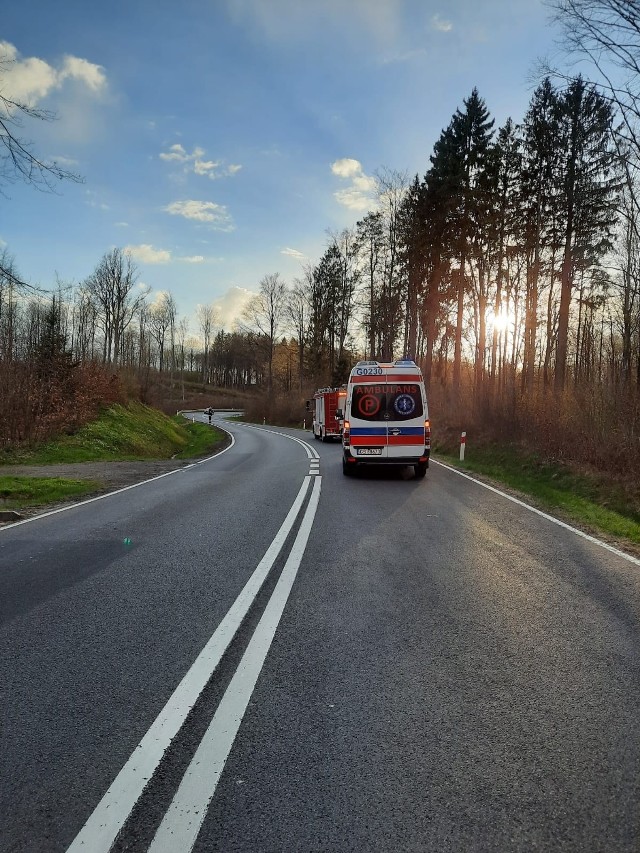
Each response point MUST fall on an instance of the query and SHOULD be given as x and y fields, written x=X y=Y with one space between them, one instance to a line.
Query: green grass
x=591 y=501
x=19 y=492
x=132 y=432
x=123 y=433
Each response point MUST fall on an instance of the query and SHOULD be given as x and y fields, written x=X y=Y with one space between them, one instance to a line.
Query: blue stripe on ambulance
x=383 y=431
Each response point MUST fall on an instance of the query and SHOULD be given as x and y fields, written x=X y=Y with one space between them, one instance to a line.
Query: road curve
x=426 y=665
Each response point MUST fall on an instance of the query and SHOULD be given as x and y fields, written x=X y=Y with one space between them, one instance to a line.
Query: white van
x=386 y=418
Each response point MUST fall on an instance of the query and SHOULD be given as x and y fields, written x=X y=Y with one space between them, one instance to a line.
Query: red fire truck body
x=325 y=403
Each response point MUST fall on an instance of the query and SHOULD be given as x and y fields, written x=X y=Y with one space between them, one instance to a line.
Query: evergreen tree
x=327 y=281
x=414 y=256
x=588 y=194
x=539 y=179
x=53 y=358
x=508 y=158
x=459 y=167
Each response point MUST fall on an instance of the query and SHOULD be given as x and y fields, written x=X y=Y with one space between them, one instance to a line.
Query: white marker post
x=463 y=441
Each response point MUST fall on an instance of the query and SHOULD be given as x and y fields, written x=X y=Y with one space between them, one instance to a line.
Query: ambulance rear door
x=387 y=413
x=405 y=417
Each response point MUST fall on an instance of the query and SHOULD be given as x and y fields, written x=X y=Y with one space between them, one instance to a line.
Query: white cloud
x=195 y=162
x=205 y=167
x=31 y=79
x=346 y=167
x=193 y=259
x=440 y=24
x=293 y=253
x=146 y=254
x=203 y=211
x=176 y=152
x=81 y=69
x=352 y=199
x=231 y=305
x=121 y=224
x=360 y=194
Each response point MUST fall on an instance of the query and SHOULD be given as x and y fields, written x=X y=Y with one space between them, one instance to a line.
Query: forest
x=509 y=270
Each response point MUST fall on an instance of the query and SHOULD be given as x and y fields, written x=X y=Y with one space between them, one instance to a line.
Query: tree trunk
x=563 y=322
x=457 y=351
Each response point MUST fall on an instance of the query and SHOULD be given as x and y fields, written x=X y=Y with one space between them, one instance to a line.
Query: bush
x=282 y=409
x=37 y=405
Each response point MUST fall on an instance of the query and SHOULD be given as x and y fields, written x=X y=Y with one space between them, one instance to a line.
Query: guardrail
x=214 y=409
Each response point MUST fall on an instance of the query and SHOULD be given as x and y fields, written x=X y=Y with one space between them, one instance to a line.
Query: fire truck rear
x=325 y=403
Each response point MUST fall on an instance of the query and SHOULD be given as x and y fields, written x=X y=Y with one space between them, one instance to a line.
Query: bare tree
x=18 y=162
x=265 y=314
x=8 y=279
x=207 y=317
x=182 y=332
x=607 y=34
x=112 y=289
x=160 y=320
x=297 y=312
x=172 y=313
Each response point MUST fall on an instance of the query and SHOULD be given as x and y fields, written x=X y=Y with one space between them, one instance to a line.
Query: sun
x=503 y=320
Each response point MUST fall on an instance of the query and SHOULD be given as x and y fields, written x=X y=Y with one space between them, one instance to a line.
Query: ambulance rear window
x=386 y=402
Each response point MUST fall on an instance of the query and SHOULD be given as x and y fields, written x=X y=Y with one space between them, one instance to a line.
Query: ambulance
x=386 y=418
x=326 y=402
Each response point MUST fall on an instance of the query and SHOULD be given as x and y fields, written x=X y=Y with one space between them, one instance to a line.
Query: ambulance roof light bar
x=399 y=362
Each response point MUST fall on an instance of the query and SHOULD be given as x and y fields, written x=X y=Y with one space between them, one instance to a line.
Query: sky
x=220 y=141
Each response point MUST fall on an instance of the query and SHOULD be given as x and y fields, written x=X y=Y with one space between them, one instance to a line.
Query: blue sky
x=220 y=140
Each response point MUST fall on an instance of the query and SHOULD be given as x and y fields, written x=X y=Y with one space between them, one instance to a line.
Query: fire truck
x=325 y=403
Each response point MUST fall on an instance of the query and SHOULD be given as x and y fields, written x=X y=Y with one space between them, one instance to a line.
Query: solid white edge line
x=15 y=524
x=183 y=820
x=111 y=813
x=544 y=515
x=311 y=452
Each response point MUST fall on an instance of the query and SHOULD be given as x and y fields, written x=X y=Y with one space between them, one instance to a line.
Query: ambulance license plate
x=369 y=451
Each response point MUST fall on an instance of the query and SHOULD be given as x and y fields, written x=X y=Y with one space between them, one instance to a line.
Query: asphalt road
x=256 y=653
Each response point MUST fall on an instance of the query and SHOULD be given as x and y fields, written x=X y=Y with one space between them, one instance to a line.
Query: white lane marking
x=182 y=822
x=311 y=452
x=118 y=491
x=109 y=816
x=539 y=512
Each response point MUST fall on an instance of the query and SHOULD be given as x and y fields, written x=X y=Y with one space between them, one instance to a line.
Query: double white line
x=180 y=827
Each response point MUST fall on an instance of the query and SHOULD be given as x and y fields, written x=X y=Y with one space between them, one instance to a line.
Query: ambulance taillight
x=346 y=429
x=427 y=433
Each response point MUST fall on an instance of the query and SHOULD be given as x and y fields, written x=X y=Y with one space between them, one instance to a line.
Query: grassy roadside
x=121 y=433
x=591 y=501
